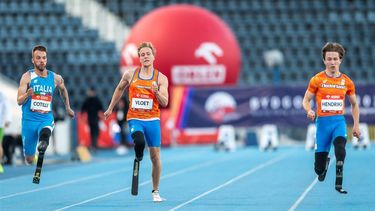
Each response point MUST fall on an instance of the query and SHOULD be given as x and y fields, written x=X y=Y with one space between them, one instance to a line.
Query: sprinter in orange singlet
x=330 y=88
x=148 y=89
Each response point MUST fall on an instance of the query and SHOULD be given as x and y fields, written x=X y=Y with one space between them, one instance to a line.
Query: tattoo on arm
x=63 y=94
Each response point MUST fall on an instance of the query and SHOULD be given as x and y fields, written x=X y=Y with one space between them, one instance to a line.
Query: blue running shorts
x=30 y=134
x=151 y=130
x=327 y=129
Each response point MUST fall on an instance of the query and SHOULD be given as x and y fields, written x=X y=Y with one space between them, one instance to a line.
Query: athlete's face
x=146 y=57
x=332 y=61
x=39 y=60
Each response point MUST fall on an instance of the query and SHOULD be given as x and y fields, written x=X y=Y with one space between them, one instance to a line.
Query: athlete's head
x=146 y=53
x=332 y=54
x=39 y=57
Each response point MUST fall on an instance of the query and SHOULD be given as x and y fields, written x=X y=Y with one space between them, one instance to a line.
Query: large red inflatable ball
x=193 y=46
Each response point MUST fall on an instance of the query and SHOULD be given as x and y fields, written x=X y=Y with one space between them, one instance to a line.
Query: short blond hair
x=148 y=45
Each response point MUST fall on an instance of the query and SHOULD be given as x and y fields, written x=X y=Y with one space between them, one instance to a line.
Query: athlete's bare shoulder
x=128 y=75
x=163 y=79
x=26 y=77
x=58 y=79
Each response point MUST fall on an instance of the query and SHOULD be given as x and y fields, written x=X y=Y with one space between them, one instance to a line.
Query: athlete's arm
x=24 y=91
x=161 y=90
x=124 y=82
x=306 y=103
x=59 y=81
x=355 y=114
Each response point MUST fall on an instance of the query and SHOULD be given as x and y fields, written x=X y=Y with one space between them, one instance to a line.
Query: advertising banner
x=253 y=106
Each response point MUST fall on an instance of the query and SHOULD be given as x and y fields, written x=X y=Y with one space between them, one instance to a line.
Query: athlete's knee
x=155 y=156
x=320 y=162
x=139 y=144
x=340 y=151
x=29 y=159
x=44 y=136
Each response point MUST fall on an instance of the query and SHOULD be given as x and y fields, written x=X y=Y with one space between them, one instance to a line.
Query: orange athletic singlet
x=330 y=93
x=143 y=104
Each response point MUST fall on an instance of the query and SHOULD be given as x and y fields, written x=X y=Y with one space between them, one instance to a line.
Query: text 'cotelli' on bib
x=41 y=103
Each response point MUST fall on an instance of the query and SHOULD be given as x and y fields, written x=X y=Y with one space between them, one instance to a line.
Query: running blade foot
x=36 y=180
x=342 y=191
x=322 y=176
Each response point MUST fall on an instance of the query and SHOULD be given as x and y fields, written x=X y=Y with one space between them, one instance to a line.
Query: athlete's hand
x=30 y=92
x=356 y=131
x=70 y=112
x=107 y=113
x=311 y=115
x=155 y=87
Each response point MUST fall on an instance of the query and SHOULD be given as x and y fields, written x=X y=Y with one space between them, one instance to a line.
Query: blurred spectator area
x=74 y=51
x=298 y=28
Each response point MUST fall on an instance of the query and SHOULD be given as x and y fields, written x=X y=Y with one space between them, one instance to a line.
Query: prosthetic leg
x=321 y=165
x=44 y=136
x=340 y=154
x=139 y=146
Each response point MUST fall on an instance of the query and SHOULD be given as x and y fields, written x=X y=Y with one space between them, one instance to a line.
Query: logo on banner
x=129 y=54
x=211 y=73
x=221 y=107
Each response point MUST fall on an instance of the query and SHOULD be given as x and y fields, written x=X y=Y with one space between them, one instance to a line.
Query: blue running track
x=197 y=178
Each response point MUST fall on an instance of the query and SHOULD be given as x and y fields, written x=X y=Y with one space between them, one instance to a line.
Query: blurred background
x=238 y=69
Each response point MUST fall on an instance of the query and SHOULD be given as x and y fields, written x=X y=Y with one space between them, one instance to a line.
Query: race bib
x=141 y=103
x=332 y=105
x=41 y=103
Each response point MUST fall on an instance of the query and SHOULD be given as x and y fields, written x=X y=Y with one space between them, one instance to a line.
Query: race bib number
x=141 y=103
x=41 y=103
x=329 y=105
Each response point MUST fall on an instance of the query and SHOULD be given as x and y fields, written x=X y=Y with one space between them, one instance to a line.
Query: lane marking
x=77 y=180
x=307 y=190
x=192 y=168
x=17 y=178
x=63 y=183
x=247 y=173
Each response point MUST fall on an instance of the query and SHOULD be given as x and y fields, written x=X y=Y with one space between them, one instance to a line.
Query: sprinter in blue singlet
x=35 y=94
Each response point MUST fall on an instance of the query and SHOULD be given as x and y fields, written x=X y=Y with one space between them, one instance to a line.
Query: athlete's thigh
x=152 y=133
x=323 y=135
x=29 y=136
x=340 y=129
x=135 y=125
x=50 y=124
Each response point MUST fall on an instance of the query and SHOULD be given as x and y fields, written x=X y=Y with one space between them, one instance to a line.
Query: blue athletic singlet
x=37 y=110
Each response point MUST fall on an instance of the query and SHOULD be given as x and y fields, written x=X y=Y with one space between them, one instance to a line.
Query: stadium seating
x=297 y=28
x=73 y=50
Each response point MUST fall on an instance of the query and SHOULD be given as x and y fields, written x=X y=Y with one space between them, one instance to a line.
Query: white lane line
x=303 y=195
x=192 y=168
x=307 y=190
x=63 y=183
x=110 y=161
x=251 y=171
x=74 y=181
